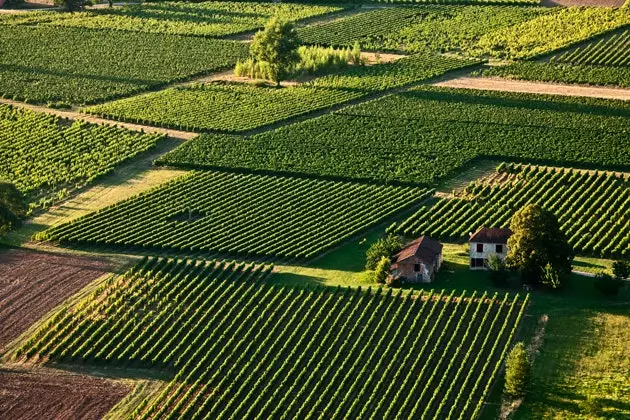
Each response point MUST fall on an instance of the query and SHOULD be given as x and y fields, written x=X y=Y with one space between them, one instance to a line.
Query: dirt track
x=51 y=394
x=535 y=87
x=574 y=3
x=33 y=283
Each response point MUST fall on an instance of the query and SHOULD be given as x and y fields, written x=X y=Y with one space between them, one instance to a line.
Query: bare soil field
x=575 y=3
x=53 y=394
x=33 y=283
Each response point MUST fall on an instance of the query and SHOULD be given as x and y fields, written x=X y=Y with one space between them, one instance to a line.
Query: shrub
x=381 y=273
x=608 y=285
x=384 y=247
x=621 y=269
x=517 y=372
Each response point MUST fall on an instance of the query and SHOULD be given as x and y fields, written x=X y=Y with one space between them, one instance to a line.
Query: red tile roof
x=424 y=248
x=491 y=236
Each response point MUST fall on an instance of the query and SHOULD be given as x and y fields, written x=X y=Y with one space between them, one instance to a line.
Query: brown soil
x=52 y=394
x=574 y=3
x=33 y=283
x=498 y=84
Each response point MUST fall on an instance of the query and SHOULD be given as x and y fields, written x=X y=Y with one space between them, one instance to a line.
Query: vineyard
x=63 y=66
x=613 y=50
x=416 y=29
x=593 y=208
x=239 y=107
x=242 y=347
x=45 y=156
x=424 y=134
x=208 y=19
x=252 y=215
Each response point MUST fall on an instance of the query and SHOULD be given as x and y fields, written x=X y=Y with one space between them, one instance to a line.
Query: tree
x=12 y=206
x=498 y=273
x=381 y=272
x=517 y=372
x=384 y=247
x=277 y=45
x=621 y=269
x=537 y=241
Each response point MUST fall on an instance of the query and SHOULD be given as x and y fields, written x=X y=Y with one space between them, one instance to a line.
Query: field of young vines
x=43 y=155
x=612 y=50
x=241 y=347
x=427 y=133
x=235 y=107
x=593 y=208
x=208 y=19
x=64 y=66
x=253 y=215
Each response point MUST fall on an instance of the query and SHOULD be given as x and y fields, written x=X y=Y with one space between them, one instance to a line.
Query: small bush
x=608 y=284
x=381 y=273
x=385 y=247
x=517 y=372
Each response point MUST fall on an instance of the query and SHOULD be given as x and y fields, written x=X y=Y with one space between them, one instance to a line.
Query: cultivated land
x=33 y=283
x=167 y=274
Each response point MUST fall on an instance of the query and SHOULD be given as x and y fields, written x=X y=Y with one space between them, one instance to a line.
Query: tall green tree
x=277 y=45
x=384 y=247
x=517 y=372
x=536 y=242
x=381 y=272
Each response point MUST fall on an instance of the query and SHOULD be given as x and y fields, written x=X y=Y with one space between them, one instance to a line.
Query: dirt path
x=535 y=87
x=74 y=115
x=576 y=3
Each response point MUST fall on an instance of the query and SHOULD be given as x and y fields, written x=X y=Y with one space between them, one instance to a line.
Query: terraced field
x=243 y=347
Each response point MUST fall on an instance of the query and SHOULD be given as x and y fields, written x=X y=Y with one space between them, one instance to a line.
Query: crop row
x=208 y=19
x=593 y=208
x=239 y=107
x=241 y=347
x=43 y=156
x=424 y=134
x=240 y=214
x=613 y=50
x=77 y=66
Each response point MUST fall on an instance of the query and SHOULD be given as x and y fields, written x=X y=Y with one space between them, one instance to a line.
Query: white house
x=487 y=241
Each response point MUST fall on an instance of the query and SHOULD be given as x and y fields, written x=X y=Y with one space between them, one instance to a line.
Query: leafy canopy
x=517 y=372
x=277 y=46
x=384 y=247
x=536 y=242
x=12 y=206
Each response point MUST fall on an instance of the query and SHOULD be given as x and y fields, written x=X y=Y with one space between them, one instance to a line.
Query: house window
x=416 y=267
x=476 y=262
x=499 y=249
x=479 y=247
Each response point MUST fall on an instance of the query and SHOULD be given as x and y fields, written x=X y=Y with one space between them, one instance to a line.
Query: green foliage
x=233 y=108
x=222 y=325
x=383 y=248
x=251 y=215
x=498 y=272
x=606 y=51
x=621 y=269
x=591 y=405
x=42 y=155
x=608 y=284
x=551 y=31
x=207 y=19
x=517 y=372
x=70 y=5
x=538 y=242
x=381 y=271
x=563 y=73
x=277 y=45
x=12 y=199
x=73 y=65
x=426 y=133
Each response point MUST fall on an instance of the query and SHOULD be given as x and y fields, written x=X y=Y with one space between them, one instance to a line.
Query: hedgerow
x=238 y=107
x=208 y=19
x=255 y=215
x=427 y=133
x=45 y=157
x=593 y=208
x=79 y=66
x=240 y=346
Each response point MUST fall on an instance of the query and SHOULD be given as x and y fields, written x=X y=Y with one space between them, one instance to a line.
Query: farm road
x=505 y=85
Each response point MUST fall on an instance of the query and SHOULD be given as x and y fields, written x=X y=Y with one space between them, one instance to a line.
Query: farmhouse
x=418 y=261
x=487 y=241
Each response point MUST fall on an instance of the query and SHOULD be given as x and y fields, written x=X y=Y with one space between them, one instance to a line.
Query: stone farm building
x=487 y=241
x=418 y=261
